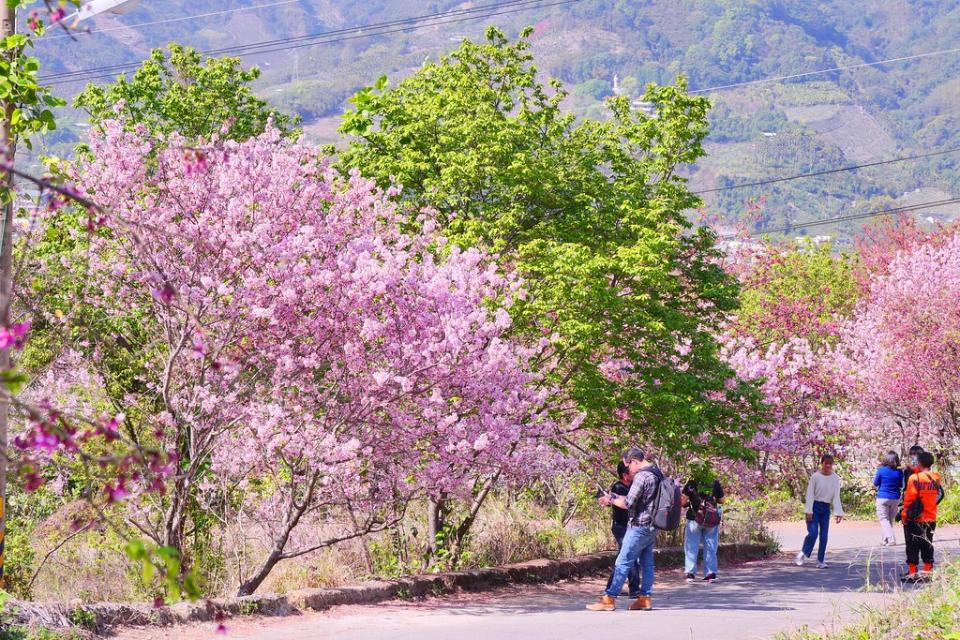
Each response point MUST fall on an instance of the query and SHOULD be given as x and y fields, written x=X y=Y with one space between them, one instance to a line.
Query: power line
x=198 y=16
x=285 y=44
x=825 y=172
x=278 y=44
x=857 y=216
x=806 y=74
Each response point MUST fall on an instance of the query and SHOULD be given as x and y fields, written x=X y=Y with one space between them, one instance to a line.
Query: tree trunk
x=436 y=521
x=175 y=525
x=463 y=530
x=8 y=26
x=251 y=585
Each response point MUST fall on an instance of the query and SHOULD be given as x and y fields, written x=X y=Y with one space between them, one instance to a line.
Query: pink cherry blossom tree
x=902 y=346
x=794 y=300
x=303 y=353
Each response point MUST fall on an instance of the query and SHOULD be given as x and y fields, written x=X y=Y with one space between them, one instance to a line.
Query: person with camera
x=620 y=523
x=924 y=492
x=703 y=523
x=638 y=541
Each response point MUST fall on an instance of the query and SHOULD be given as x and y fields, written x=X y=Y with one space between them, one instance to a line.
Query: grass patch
x=930 y=613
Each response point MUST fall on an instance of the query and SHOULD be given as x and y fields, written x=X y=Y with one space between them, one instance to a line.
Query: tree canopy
x=592 y=216
x=180 y=90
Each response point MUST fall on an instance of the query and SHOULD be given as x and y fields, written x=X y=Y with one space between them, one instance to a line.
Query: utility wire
x=290 y=39
x=857 y=216
x=82 y=32
x=285 y=44
x=825 y=172
x=847 y=67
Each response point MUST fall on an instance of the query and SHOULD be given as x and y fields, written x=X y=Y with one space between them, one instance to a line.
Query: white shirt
x=824 y=489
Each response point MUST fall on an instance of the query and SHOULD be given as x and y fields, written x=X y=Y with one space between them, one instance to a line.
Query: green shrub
x=932 y=613
x=949 y=510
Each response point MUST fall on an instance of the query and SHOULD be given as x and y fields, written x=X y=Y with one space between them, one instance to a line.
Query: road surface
x=752 y=600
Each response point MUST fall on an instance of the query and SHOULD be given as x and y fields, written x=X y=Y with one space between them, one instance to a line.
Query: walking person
x=641 y=535
x=888 y=480
x=619 y=526
x=703 y=523
x=823 y=492
x=919 y=514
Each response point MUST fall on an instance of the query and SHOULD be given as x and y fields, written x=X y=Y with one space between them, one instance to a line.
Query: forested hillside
x=760 y=131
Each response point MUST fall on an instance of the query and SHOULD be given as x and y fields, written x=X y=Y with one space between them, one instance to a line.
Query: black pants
x=919 y=539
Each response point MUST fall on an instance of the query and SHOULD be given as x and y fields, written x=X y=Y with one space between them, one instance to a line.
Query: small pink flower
x=32 y=482
x=117 y=492
x=194 y=161
x=33 y=20
x=165 y=294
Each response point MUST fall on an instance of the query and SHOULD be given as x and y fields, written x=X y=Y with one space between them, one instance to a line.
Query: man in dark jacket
x=703 y=523
x=619 y=526
x=641 y=535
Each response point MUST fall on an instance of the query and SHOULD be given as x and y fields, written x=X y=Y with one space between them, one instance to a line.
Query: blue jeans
x=818 y=525
x=637 y=547
x=692 y=535
x=620 y=530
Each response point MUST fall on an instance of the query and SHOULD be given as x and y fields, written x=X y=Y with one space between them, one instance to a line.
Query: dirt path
x=753 y=600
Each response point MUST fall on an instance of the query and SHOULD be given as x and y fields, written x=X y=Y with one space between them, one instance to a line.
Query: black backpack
x=666 y=502
x=915 y=510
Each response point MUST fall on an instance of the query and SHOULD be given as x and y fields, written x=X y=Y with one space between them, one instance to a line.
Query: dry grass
x=928 y=613
x=93 y=567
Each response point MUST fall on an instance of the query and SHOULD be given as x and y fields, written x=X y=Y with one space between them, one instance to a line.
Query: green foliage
x=183 y=92
x=163 y=564
x=19 y=632
x=591 y=214
x=948 y=512
x=24 y=512
x=31 y=105
x=777 y=504
x=931 y=614
x=597 y=89
x=83 y=618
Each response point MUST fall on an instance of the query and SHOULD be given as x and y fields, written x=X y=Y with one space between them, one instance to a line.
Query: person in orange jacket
x=920 y=520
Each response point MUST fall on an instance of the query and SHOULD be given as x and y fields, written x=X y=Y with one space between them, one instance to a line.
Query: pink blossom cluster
x=901 y=348
x=300 y=335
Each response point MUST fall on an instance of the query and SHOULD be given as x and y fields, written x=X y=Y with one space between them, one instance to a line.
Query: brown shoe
x=643 y=603
x=605 y=603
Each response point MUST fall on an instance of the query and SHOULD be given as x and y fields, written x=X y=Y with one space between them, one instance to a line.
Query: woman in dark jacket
x=703 y=523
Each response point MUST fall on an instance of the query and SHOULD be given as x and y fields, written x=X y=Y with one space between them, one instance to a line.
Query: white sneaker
x=799 y=560
x=822 y=565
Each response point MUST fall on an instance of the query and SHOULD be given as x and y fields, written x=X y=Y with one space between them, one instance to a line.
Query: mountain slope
x=760 y=130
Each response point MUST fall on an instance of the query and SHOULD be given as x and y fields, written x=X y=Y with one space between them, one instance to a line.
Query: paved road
x=752 y=600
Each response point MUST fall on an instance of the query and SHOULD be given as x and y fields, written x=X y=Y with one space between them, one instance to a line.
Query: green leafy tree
x=591 y=215
x=180 y=91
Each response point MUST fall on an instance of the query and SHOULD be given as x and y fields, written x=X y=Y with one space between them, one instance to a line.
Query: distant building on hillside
x=644 y=106
x=814 y=240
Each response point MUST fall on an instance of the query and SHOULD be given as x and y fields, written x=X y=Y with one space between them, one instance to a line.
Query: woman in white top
x=823 y=490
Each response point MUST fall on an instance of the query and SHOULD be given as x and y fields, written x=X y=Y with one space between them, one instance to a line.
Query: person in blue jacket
x=888 y=480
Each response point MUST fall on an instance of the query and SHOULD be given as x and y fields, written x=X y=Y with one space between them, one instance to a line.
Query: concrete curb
x=106 y=615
